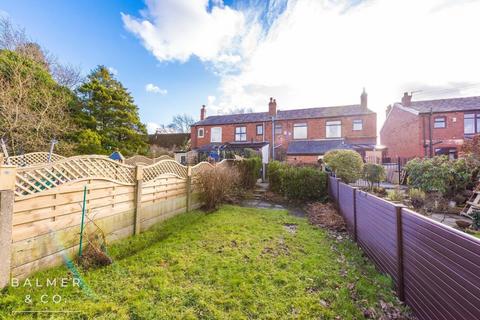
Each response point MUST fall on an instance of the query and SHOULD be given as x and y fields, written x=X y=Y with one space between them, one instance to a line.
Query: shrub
x=379 y=191
x=218 y=185
x=417 y=197
x=476 y=219
x=373 y=173
x=274 y=172
x=249 y=170
x=347 y=164
x=304 y=183
x=297 y=183
x=449 y=177
x=395 y=195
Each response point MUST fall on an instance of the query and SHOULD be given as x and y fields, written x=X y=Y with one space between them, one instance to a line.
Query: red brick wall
x=316 y=129
x=403 y=133
x=302 y=159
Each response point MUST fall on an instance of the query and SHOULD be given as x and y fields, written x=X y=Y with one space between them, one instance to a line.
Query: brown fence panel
x=441 y=269
x=377 y=231
x=346 y=204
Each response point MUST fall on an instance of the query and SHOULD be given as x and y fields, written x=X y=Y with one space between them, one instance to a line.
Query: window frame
x=356 y=121
x=435 y=122
x=300 y=125
x=240 y=134
x=256 y=129
x=327 y=126
x=475 y=117
x=203 y=132
x=212 y=134
x=278 y=127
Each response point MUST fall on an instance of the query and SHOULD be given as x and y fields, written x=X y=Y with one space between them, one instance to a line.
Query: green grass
x=236 y=263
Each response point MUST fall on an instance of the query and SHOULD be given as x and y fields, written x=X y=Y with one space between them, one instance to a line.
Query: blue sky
x=88 y=33
x=237 y=54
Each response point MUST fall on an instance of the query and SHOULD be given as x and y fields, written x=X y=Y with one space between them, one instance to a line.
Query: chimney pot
x=364 y=99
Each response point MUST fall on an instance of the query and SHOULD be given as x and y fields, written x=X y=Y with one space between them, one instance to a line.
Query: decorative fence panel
x=436 y=269
x=31 y=159
x=41 y=206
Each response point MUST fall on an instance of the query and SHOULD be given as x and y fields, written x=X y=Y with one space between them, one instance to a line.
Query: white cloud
x=152 y=127
x=155 y=89
x=320 y=53
x=113 y=71
x=176 y=30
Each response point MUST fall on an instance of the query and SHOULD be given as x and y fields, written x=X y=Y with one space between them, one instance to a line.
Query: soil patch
x=326 y=216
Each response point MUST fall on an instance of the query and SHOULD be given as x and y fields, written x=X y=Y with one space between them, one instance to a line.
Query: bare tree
x=240 y=110
x=32 y=111
x=15 y=38
x=182 y=123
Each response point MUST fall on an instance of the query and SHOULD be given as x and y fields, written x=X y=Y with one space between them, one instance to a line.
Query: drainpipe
x=273 y=138
x=430 y=132
x=424 y=137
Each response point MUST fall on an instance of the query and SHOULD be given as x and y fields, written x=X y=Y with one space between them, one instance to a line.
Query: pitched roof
x=325 y=112
x=446 y=105
x=316 y=147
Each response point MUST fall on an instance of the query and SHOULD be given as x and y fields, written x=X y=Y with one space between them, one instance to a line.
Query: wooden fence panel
x=47 y=227
x=442 y=269
x=376 y=231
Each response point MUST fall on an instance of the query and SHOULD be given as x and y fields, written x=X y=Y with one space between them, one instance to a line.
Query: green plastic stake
x=83 y=219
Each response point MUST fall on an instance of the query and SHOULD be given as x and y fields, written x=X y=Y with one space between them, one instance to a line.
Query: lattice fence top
x=31 y=180
x=138 y=159
x=164 y=167
x=31 y=159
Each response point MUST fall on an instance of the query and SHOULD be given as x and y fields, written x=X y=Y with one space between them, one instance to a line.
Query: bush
x=347 y=164
x=373 y=173
x=304 y=183
x=439 y=174
x=395 y=195
x=297 y=183
x=218 y=185
x=417 y=198
x=274 y=173
x=249 y=170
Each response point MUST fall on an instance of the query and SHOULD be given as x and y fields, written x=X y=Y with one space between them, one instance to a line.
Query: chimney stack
x=406 y=99
x=363 y=99
x=272 y=107
x=203 y=112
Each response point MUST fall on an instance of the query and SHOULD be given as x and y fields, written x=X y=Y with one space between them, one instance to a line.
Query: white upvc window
x=216 y=134
x=334 y=129
x=240 y=133
x=300 y=131
x=201 y=132
x=357 y=124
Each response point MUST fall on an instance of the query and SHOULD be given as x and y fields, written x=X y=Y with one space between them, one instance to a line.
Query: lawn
x=236 y=263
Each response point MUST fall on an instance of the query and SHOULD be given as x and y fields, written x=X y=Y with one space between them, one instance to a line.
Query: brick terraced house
x=430 y=127
x=301 y=135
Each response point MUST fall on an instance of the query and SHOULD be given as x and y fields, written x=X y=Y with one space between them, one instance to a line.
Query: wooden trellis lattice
x=138 y=159
x=31 y=159
x=31 y=180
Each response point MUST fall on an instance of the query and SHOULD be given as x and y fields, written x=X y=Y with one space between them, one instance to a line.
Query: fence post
x=7 y=187
x=399 y=168
x=338 y=194
x=138 y=197
x=354 y=214
x=400 y=284
x=189 y=188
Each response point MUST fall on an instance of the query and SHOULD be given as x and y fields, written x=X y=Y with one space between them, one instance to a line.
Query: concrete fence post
x=399 y=242
x=189 y=188
x=138 y=198
x=7 y=196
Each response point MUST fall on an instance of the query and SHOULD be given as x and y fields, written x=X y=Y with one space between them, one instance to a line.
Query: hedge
x=297 y=183
x=249 y=171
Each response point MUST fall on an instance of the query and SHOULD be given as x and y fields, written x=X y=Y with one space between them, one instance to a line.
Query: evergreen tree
x=107 y=114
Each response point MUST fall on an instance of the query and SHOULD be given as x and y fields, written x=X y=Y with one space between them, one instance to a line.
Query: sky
x=175 y=55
